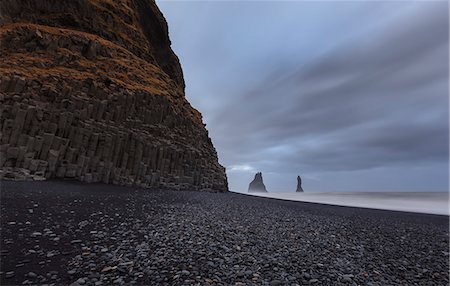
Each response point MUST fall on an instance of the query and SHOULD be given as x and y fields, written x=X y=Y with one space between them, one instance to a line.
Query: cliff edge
x=91 y=90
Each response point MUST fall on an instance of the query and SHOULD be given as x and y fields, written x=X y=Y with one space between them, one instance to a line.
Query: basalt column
x=91 y=90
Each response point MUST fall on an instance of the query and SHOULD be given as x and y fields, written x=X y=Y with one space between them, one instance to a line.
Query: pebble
x=347 y=278
x=32 y=275
x=175 y=242
x=9 y=274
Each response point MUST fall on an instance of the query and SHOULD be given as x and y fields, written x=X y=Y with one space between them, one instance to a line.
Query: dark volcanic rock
x=299 y=184
x=153 y=237
x=91 y=90
x=257 y=185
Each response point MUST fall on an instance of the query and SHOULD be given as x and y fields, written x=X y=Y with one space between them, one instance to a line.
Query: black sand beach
x=59 y=233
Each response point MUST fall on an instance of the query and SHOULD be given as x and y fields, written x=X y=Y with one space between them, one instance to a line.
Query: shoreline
x=95 y=234
x=438 y=204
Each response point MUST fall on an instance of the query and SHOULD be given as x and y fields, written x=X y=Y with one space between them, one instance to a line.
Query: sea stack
x=299 y=184
x=257 y=185
x=91 y=90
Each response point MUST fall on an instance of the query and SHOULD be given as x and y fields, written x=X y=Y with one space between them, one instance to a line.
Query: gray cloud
x=376 y=100
x=366 y=105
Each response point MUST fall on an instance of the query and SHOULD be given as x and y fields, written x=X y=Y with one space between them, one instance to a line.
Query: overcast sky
x=352 y=96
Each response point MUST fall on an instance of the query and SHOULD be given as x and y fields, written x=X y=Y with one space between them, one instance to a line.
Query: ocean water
x=423 y=202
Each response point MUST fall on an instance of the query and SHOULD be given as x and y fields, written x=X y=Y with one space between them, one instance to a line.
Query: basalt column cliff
x=90 y=89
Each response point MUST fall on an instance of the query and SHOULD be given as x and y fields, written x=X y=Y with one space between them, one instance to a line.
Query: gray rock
x=347 y=278
x=299 y=184
x=257 y=185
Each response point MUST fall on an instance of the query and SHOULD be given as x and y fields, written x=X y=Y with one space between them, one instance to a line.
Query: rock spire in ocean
x=257 y=185
x=299 y=184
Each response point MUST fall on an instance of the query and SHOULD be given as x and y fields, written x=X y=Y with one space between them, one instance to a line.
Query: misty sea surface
x=419 y=202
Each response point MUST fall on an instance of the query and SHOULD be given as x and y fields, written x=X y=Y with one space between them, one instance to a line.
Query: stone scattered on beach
x=299 y=184
x=199 y=238
x=257 y=185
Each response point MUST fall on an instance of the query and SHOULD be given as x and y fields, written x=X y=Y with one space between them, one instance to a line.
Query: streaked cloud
x=352 y=94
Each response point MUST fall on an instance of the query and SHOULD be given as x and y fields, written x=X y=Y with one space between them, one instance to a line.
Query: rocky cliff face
x=257 y=185
x=90 y=89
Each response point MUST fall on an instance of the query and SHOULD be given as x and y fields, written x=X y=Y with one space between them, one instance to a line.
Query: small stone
x=347 y=278
x=312 y=281
x=81 y=281
x=71 y=272
x=185 y=272
x=107 y=268
x=275 y=282
x=9 y=274
x=75 y=241
x=30 y=211
x=50 y=254
x=32 y=275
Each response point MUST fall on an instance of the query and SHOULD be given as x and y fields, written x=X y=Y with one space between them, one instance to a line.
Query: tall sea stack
x=257 y=185
x=299 y=184
x=91 y=90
